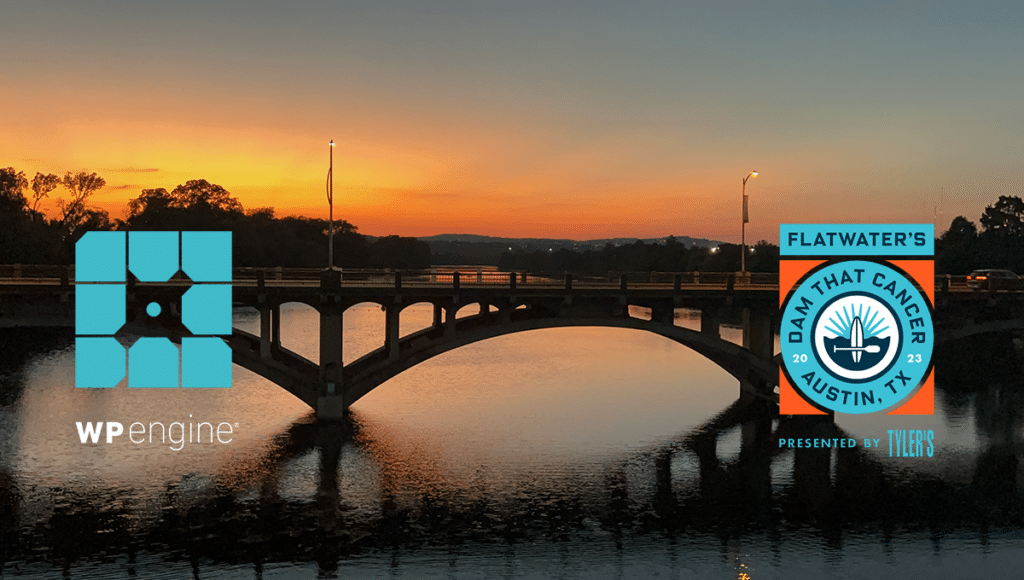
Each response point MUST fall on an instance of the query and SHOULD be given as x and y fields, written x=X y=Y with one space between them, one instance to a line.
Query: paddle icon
x=872 y=348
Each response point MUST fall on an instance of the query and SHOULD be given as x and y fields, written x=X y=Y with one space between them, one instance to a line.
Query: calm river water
x=566 y=453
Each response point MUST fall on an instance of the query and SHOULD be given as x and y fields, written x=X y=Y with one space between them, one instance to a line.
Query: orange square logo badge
x=856 y=331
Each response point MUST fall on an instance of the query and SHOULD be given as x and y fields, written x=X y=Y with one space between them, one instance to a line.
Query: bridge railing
x=33 y=274
x=697 y=278
x=469 y=276
x=952 y=282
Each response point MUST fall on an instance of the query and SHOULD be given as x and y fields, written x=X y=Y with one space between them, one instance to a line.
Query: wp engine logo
x=107 y=264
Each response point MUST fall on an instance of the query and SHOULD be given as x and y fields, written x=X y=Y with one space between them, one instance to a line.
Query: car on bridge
x=991 y=279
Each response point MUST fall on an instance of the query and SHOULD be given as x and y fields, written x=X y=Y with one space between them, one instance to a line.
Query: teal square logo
x=103 y=263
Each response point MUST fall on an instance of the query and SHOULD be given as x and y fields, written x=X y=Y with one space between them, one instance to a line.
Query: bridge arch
x=380 y=304
x=471 y=309
x=375 y=368
x=407 y=316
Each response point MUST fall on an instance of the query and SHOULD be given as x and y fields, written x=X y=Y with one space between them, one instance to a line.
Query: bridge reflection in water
x=682 y=488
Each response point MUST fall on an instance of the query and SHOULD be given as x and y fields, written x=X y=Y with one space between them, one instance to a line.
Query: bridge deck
x=465 y=277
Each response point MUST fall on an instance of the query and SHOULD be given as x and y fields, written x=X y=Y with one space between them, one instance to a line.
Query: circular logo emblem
x=856 y=336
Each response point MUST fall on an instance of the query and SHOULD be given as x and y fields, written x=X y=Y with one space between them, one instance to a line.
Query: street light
x=330 y=203
x=743 y=225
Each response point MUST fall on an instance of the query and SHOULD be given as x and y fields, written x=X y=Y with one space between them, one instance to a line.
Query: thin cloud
x=132 y=170
x=422 y=194
x=130 y=186
x=438 y=195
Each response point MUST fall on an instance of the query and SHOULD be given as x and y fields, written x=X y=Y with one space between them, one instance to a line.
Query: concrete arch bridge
x=505 y=303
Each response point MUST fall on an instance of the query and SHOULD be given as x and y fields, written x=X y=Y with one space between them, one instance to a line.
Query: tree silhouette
x=23 y=238
x=12 y=184
x=260 y=238
x=152 y=201
x=201 y=194
x=42 y=185
x=81 y=185
x=1006 y=217
x=12 y=206
x=960 y=230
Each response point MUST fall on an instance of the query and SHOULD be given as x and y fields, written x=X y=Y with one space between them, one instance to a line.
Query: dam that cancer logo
x=103 y=263
x=856 y=336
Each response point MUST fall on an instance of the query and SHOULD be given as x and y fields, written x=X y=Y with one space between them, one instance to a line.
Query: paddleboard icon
x=857 y=347
x=856 y=337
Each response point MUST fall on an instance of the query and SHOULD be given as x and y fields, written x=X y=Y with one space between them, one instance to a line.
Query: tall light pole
x=330 y=203
x=743 y=226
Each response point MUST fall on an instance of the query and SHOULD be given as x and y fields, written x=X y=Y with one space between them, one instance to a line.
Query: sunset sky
x=553 y=118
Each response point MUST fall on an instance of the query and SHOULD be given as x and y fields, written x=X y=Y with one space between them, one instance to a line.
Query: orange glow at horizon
x=380 y=189
x=408 y=178
x=472 y=187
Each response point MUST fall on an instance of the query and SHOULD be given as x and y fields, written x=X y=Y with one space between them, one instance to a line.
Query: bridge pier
x=331 y=395
x=438 y=313
x=758 y=334
x=275 y=327
x=664 y=314
x=449 y=320
x=265 y=330
x=391 y=329
x=758 y=338
x=709 y=322
x=330 y=404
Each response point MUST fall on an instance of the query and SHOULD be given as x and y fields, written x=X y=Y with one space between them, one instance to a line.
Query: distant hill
x=563 y=243
x=485 y=250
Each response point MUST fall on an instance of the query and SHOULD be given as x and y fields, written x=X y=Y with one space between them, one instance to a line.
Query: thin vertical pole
x=330 y=203
x=743 y=230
